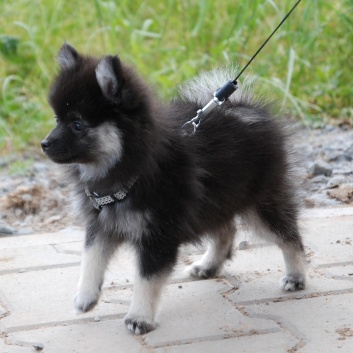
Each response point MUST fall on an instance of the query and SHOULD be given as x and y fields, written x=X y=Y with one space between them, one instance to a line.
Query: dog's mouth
x=61 y=159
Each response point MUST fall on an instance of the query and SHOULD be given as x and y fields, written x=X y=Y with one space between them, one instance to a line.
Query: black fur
x=187 y=186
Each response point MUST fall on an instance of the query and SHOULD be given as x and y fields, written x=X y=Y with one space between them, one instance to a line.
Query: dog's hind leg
x=279 y=224
x=155 y=264
x=95 y=258
x=219 y=250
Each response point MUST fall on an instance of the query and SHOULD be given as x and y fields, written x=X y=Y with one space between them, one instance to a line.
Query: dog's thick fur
x=111 y=128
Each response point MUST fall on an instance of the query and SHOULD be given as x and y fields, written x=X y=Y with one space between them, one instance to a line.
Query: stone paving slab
x=266 y=289
x=324 y=324
x=8 y=348
x=329 y=244
x=19 y=241
x=23 y=259
x=202 y=306
x=98 y=337
x=46 y=297
x=241 y=311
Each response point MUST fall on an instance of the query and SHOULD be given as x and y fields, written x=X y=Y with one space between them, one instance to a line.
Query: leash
x=224 y=92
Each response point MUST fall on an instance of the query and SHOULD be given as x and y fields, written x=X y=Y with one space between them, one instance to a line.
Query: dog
x=136 y=177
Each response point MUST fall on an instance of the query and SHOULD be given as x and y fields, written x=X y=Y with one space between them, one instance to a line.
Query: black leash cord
x=224 y=92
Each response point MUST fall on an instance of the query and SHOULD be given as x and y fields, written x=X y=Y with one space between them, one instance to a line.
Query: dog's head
x=101 y=108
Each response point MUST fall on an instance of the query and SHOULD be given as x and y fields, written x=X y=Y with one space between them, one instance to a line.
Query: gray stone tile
x=7 y=347
x=33 y=257
x=344 y=272
x=327 y=212
x=199 y=310
x=19 y=241
x=265 y=288
x=70 y=247
x=324 y=323
x=105 y=336
x=330 y=239
x=40 y=297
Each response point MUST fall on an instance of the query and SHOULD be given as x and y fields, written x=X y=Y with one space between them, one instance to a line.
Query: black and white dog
x=136 y=178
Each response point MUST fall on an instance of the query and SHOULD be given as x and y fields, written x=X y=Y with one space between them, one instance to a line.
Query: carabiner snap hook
x=195 y=122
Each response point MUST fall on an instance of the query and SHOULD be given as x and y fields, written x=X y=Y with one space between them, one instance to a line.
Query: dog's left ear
x=109 y=76
x=68 y=57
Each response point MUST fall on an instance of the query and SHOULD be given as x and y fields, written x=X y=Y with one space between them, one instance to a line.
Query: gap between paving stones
x=6 y=310
x=143 y=343
x=334 y=264
x=64 y=323
x=68 y=252
x=283 y=324
x=297 y=296
x=211 y=338
x=16 y=343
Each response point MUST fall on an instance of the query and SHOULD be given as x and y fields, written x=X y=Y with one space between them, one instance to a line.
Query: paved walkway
x=241 y=311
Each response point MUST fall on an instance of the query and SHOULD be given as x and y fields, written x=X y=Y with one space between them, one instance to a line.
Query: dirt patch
x=344 y=332
x=34 y=202
x=26 y=198
x=343 y=193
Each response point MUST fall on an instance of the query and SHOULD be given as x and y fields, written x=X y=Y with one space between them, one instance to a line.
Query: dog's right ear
x=68 y=57
x=109 y=77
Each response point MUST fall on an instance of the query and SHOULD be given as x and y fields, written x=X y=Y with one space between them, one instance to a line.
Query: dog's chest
x=120 y=219
x=124 y=221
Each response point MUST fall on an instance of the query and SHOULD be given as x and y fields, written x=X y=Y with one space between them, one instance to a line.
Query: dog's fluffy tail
x=201 y=88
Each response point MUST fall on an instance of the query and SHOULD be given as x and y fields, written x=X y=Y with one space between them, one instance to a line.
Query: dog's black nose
x=45 y=144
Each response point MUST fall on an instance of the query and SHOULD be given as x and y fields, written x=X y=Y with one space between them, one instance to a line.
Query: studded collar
x=99 y=201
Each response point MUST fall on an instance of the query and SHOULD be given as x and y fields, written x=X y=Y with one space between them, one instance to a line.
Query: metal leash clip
x=219 y=97
x=196 y=121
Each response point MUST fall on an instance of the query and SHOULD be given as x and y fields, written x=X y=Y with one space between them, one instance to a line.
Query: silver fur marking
x=106 y=77
x=110 y=152
x=65 y=58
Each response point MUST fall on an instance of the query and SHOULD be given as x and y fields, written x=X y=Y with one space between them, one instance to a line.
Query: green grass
x=307 y=65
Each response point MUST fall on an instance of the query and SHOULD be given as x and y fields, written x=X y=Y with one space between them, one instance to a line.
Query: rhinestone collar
x=100 y=201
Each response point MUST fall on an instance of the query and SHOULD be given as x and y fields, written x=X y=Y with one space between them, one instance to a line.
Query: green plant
x=306 y=65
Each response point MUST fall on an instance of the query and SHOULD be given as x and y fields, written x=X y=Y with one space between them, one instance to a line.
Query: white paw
x=139 y=325
x=293 y=282
x=85 y=301
x=198 y=269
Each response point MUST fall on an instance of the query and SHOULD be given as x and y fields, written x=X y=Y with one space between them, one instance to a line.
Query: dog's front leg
x=140 y=318
x=155 y=264
x=95 y=259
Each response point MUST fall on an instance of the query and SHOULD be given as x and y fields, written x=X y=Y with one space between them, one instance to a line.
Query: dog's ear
x=109 y=76
x=67 y=57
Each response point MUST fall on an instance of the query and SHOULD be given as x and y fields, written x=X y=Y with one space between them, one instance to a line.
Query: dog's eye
x=78 y=126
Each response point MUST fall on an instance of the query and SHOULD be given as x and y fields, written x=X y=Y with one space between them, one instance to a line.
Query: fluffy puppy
x=135 y=177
